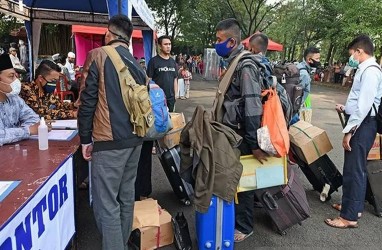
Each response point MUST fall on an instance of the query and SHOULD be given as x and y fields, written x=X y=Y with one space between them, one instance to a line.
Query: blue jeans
x=354 y=172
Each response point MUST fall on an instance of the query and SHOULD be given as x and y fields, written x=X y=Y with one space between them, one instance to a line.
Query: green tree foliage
x=253 y=15
x=297 y=24
x=169 y=15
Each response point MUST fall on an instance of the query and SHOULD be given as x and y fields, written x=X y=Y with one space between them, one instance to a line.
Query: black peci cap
x=5 y=62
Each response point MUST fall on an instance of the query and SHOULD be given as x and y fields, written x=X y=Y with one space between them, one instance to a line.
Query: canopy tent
x=87 y=12
x=89 y=37
x=271 y=44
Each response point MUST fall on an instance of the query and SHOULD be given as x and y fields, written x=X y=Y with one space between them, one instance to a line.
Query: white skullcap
x=71 y=55
x=55 y=56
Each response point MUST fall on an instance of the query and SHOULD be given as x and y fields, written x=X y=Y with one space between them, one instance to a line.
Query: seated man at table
x=17 y=120
x=39 y=94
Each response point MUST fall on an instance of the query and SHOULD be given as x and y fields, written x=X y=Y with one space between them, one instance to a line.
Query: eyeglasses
x=53 y=80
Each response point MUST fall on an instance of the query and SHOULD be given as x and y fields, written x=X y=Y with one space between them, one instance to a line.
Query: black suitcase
x=287 y=205
x=170 y=160
x=321 y=172
x=374 y=189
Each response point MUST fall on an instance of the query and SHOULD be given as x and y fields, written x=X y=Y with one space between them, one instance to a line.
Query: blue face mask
x=49 y=87
x=353 y=62
x=221 y=48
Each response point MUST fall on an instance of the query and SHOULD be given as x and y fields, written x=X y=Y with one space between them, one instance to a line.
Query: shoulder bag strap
x=125 y=77
x=119 y=65
x=217 y=112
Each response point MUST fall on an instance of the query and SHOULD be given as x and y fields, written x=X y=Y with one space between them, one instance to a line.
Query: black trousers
x=143 y=186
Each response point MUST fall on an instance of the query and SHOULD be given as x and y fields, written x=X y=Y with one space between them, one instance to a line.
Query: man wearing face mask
x=17 y=120
x=39 y=94
x=311 y=60
x=360 y=130
x=243 y=96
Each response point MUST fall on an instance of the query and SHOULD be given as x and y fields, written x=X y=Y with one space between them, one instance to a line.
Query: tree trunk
x=328 y=56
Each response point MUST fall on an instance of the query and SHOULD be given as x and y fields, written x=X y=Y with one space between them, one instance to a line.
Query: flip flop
x=340 y=223
x=338 y=207
x=239 y=236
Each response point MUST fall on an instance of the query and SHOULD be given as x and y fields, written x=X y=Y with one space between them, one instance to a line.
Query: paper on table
x=6 y=187
x=59 y=135
x=64 y=124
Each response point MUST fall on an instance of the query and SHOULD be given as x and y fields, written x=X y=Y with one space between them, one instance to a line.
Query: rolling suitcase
x=215 y=229
x=321 y=173
x=374 y=196
x=170 y=160
x=287 y=205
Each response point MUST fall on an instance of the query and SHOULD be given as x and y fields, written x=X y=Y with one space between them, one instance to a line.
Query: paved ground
x=313 y=234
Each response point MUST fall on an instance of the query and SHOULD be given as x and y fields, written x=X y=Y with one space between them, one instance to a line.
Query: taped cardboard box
x=375 y=151
x=152 y=227
x=309 y=142
x=172 y=138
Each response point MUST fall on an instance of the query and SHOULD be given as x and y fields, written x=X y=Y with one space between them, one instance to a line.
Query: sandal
x=338 y=207
x=239 y=236
x=83 y=186
x=341 y=223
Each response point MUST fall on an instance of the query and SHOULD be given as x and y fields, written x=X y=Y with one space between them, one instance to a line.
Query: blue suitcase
x=215 y=229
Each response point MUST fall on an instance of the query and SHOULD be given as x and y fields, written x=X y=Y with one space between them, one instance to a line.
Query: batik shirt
x=49 y=105
x=15 y=119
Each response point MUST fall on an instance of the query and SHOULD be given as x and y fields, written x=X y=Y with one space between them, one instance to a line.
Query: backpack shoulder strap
x=305 y=68
x=226 y=81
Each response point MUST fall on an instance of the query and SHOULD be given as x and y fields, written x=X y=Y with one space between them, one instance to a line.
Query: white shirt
x=72 y=73
x=366 y=91
x=15 y=62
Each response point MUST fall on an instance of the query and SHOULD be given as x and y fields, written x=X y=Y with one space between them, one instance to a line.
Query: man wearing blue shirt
x=360 y=130
x=17 y=120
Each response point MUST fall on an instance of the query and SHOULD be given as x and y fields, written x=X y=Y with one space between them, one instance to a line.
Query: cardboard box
x=152 y=226
x=172 y=138
x=309 y=142
x=375 y=151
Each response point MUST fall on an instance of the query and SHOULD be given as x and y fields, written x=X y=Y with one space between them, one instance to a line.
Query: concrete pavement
x=313 y=234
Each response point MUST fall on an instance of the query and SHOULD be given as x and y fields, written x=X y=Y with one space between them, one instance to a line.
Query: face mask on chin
x=222 y=49
x=16 y=88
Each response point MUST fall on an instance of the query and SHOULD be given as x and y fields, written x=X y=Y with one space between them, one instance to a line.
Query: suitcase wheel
x=282 y=233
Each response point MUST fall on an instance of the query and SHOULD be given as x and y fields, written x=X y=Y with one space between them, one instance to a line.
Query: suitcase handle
x=270 y=201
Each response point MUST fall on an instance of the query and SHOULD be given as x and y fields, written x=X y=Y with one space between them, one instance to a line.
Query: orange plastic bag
x=273 y=117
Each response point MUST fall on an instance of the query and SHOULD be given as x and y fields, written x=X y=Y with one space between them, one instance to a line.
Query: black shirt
x=163 y=72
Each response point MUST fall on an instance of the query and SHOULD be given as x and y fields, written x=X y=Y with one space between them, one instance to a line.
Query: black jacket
x=243 y=98
x=102 y=115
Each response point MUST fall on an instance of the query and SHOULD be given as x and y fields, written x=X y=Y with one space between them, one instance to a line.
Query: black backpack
x=268 y=81
x=288 y=75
